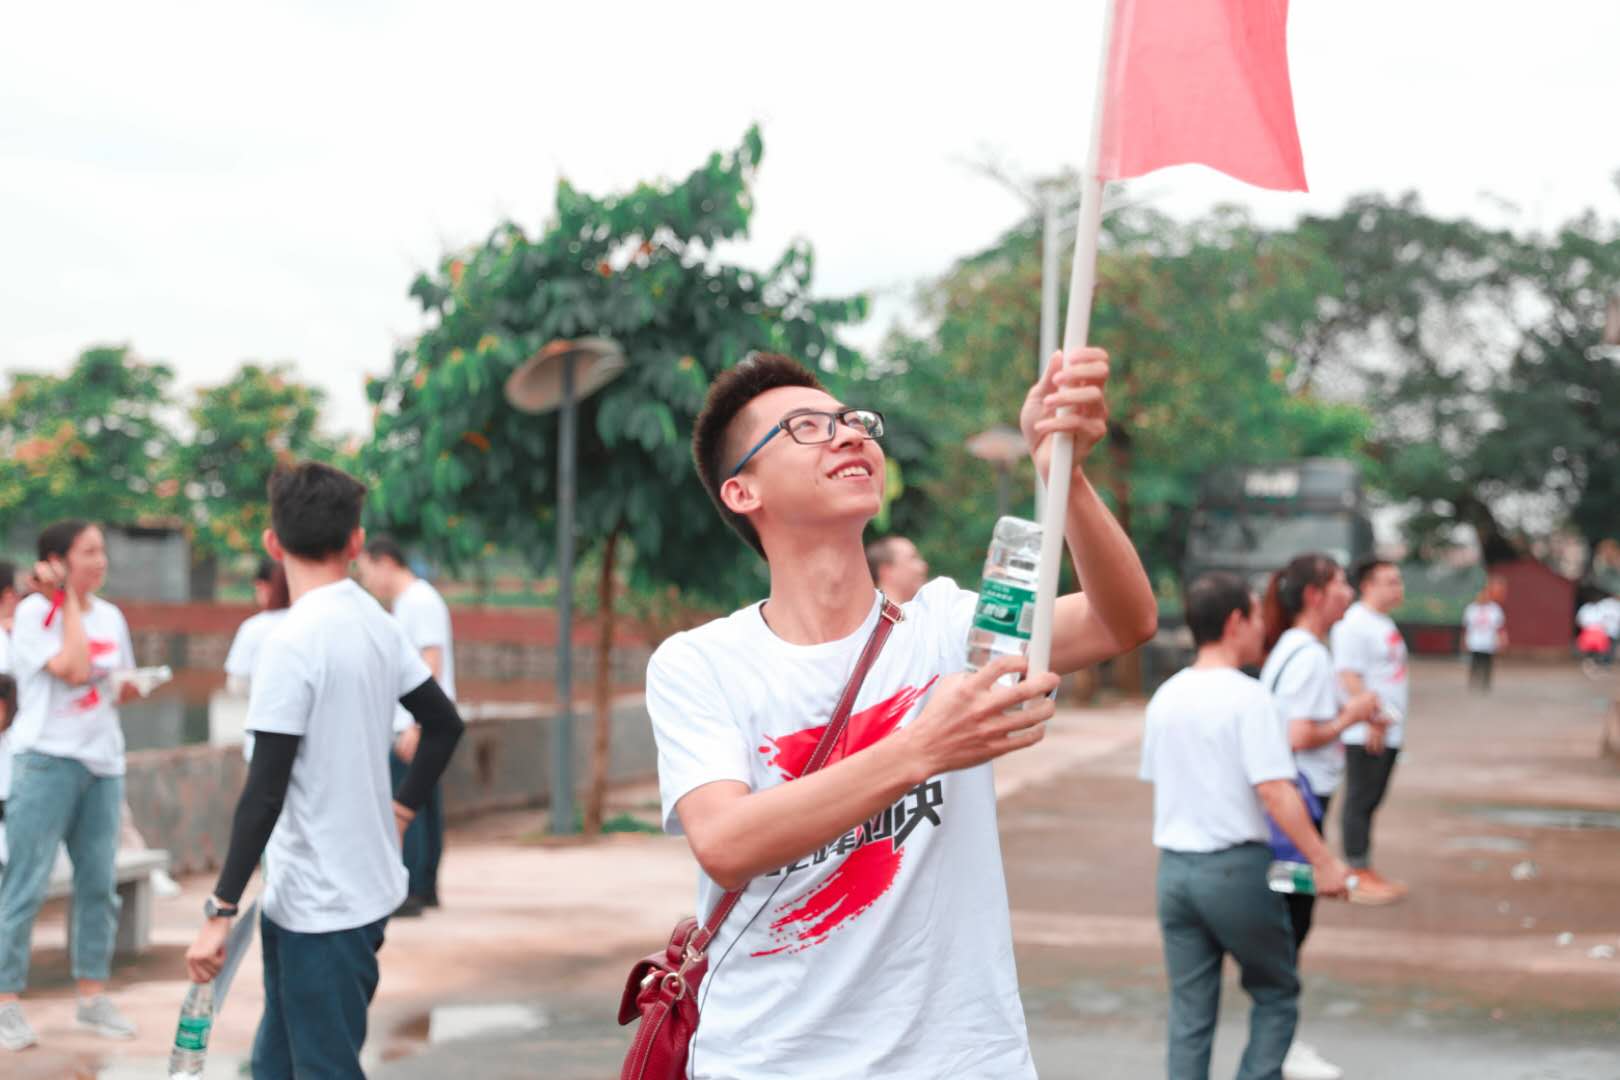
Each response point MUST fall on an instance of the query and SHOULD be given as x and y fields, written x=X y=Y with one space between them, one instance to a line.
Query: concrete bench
x=134 y=875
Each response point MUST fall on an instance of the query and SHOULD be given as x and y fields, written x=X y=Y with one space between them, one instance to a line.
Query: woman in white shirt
x=271 y=593
x=67 y=773
x=1303 y=602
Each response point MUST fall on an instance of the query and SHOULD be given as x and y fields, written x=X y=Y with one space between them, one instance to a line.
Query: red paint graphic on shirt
x=92 y=697
x=868 y=872
x=792 y=752
x=1397 y=655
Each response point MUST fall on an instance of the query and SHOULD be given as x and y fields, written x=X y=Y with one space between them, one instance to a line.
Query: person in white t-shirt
x=876 y=883
x=67 y=780
x=1215 y=751
x=425 y=617
x=318 y=791
x=9 y=598
x=897 y=567
x=1303 y=601
x=1484 y=632
x=1370 y=654
x=270 y=593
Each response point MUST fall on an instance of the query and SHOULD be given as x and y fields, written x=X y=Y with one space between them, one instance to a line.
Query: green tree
x=1559 y=399
x=242 y=429
x=88 y=444
x=1201 y=321
x=457 y=469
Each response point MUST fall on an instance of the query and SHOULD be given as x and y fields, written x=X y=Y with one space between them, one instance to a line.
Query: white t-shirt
x=5 y=741
x=1212 y=734
x=249 y=640
x=1481 y=623
x=331 y=673
x=423 y=614
x=1371 y=645
x=887 y=953
x=244 y=654
x=1299 y=674
x=54 y=717
x=1608 y=612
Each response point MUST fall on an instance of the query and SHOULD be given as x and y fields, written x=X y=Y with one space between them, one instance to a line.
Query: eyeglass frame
x=834 y=421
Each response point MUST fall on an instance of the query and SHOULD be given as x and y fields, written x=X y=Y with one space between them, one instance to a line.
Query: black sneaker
x=412 y=908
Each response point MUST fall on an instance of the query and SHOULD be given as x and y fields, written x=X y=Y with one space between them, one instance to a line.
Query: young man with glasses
x=873 y=936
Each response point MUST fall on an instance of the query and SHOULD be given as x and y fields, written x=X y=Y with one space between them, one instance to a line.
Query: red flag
x=1201 y=81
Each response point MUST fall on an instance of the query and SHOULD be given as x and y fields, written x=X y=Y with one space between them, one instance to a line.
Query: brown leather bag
x=662 y=988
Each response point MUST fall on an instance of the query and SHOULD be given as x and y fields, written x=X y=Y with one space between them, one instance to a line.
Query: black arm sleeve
x=257 y=811
x=441 y=729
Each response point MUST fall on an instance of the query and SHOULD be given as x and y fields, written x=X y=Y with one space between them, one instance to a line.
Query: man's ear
x=356 y=544
x=272 y=546
x=1234 y=625
x=738 y=495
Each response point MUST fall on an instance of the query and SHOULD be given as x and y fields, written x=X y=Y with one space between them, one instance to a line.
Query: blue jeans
x=1214 y=904
x=317 y=988
x=56 y=800
x=423 y=846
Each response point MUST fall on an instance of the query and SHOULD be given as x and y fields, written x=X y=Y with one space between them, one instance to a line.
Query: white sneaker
x=164 y=886
x=15 y=1033
x=101 y=1016
x=1304 y=1063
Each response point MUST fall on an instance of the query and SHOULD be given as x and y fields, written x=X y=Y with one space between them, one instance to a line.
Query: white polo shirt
x=332 y=673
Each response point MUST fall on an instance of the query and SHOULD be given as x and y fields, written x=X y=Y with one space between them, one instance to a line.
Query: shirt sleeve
x=1300 y=691
x=32 y=643
x=699 y=741
x=1149 y=746
x=426 y=623
x=283 y=693
x=1264 y=746
x=413 y=670
x=125 y=644
x=236 y=660
x=949 y=608
x=1349 y=648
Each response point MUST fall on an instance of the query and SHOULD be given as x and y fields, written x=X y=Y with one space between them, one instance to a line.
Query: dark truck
x=1252 y=519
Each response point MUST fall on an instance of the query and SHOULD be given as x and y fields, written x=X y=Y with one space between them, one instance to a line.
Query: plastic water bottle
x=1006 y=613
x=190 y=1051
x=1291 y=877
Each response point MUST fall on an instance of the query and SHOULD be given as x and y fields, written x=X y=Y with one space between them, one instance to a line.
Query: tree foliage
x=85 y=444
x=241 y=430
x=458 y=469
x=1199 y=320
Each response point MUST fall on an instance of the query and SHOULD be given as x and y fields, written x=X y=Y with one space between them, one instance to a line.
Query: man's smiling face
x=790 y=485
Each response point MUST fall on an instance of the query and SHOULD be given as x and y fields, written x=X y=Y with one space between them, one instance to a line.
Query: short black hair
x=1211 y=600
x=314 y=508
x=56 y=538
x=729 y=395
x=8 y=575
x=385 y=547
x=1365 y=568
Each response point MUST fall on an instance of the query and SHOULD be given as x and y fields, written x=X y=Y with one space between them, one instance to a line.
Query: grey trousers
x=1214 y=904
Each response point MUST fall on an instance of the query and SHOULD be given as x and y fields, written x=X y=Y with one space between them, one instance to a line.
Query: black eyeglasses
x=811 y=426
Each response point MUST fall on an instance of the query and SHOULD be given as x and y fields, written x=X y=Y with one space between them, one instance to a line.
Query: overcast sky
x=214 y=184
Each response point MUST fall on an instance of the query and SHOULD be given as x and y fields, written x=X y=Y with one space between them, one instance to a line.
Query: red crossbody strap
x=830 y=735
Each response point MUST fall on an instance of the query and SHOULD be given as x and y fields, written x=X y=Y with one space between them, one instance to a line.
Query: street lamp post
x=1002 y=447
x=560 y=376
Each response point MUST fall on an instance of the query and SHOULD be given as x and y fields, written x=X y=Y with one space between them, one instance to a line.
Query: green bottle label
x=193 y=1033
x=1304 y=880
x=1005 y=609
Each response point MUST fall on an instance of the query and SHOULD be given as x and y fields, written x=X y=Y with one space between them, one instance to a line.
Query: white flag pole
x=1082 y=283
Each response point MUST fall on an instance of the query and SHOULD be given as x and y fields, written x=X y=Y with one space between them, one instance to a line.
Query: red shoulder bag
x=662 y=988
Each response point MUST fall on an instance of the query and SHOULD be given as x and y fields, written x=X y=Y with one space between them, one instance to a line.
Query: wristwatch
x=215 y=910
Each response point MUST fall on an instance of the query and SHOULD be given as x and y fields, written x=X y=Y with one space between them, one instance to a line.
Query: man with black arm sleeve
x=318 y=794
